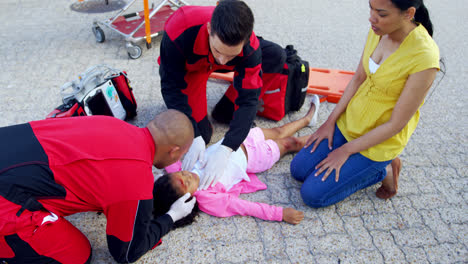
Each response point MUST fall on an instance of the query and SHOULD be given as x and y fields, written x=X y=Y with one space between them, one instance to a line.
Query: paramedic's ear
x=174 y=152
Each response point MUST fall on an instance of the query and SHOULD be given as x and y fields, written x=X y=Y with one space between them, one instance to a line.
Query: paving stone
x=415 y=255
x=289 y=181
x=428 y=201
x=454 y=214
x=277 y=261
x=203 y=253
x=331 y=243
x=461 y=231
x=319 y=259
x=239 y=252
x=383 y=206
x=332 y=222
x=414 y=237
x=410 y=217
x=443 y=173
x=307 y=228
x=273 y=240
x=277 y=189
x=298 y=250
x=401 y=201
x=361 y=256
x=383 y=221
x=247 y=228
x=383 y=240
x=281 y=167
x=215 y=232
x=443 y=232
x=452 y=196
x=460 y=184
x=418 y=160
x=355 y=207
x=360 y=237
x=447 y=253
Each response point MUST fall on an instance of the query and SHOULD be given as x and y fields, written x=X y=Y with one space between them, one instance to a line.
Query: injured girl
x=262 y=148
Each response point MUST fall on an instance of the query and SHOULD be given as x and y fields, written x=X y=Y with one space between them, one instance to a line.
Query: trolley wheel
x=134 y=51
x=99 y=34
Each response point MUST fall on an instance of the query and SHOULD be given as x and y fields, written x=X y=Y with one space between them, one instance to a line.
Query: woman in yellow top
x=359 y=143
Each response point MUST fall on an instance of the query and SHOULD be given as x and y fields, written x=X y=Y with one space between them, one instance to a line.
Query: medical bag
x=100 y=90
x=284 y=84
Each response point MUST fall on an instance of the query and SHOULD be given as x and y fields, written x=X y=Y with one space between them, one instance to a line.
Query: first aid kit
x=100 y=90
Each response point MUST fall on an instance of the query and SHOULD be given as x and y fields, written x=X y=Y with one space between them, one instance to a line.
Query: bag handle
x=87 y=80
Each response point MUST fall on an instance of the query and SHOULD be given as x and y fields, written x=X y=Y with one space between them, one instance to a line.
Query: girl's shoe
x=316 y=101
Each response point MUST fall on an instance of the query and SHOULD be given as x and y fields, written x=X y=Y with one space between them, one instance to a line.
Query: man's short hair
x=232 y=21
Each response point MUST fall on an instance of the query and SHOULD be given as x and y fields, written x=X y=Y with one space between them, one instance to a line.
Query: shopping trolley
x=131 y=25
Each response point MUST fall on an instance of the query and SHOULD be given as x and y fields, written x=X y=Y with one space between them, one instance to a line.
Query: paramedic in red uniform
x=57 y=167
x=199 y=40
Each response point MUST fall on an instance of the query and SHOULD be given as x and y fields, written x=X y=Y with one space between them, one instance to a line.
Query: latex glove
x=180 y=208
x=195 y=152
x=214 y=166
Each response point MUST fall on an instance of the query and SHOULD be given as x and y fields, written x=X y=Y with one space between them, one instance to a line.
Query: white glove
x=180 y=208
x=214 y=166
x=195 y=152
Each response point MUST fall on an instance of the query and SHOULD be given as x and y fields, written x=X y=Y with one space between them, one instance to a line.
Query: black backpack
x=298 y=80
x=285 y=82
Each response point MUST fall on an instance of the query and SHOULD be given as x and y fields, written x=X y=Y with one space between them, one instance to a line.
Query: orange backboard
x=329 y=83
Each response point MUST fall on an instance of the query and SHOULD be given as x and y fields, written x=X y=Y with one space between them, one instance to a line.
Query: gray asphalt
x=44 y=44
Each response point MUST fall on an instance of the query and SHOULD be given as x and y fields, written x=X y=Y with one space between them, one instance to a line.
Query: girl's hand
x=325 y=131
x=292 y=216
x=333 y=161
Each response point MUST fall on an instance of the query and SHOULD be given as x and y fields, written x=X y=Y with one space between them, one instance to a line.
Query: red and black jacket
x=81 y=164
x=186 y=61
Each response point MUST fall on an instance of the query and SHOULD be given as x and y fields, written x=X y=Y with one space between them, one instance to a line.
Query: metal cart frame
x=130 y=25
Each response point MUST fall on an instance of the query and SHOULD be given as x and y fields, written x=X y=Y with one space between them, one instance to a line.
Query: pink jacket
x=218 y=201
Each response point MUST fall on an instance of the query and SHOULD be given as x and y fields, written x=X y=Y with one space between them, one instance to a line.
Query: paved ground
x=44 y=44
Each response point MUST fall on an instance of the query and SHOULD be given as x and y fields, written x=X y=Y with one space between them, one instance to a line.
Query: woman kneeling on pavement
x=359 y=143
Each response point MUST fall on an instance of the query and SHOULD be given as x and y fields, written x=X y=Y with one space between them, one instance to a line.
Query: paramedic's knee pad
x=262 y=154
x=58 y=239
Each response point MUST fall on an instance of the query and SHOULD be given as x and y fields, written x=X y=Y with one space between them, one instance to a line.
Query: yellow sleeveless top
x=373 y=103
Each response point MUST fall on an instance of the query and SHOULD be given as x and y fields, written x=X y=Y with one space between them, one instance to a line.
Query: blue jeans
x=357 y=173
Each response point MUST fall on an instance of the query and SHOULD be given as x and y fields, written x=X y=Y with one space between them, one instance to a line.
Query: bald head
x=170 y=129
x=173 y=126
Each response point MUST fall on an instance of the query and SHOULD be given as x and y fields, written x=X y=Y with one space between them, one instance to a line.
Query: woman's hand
x=325 y=131
x=333 y=161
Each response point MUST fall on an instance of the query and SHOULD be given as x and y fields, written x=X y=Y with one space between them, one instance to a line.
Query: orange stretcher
x=328 y=83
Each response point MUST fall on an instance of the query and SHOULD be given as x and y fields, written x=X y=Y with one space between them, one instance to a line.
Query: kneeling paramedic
x=57 y=167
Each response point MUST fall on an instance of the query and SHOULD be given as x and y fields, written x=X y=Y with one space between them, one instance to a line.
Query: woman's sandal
x=382 y=192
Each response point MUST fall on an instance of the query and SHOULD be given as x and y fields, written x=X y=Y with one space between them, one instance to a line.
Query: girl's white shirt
x=235 y=170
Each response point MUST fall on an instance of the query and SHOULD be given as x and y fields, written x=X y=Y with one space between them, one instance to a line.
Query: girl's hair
x=164 y=195
x=421 y=15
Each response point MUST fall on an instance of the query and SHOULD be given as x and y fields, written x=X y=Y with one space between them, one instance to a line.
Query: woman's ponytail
x=422 y=16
